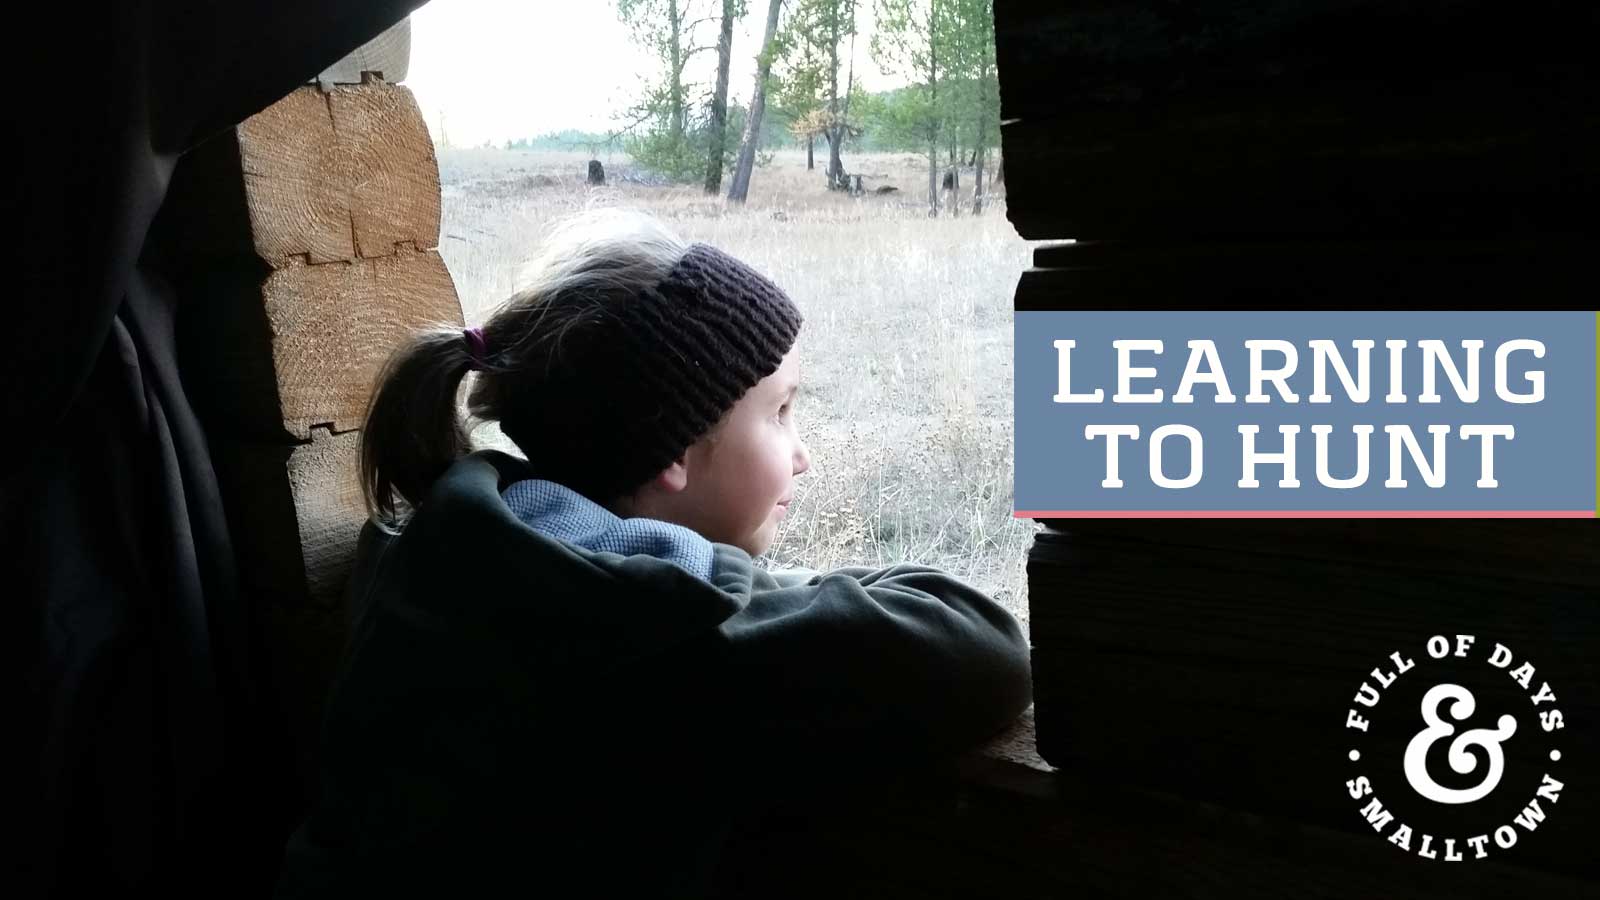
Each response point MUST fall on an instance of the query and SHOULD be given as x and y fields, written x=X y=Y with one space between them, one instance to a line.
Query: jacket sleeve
x=861 y=664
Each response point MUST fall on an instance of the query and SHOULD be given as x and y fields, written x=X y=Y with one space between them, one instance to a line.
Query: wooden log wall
x=304 y=247
x=1316 y=154
x=1297 y=119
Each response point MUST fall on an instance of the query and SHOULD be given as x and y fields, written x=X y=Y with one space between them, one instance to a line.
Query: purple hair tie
x=477 y=347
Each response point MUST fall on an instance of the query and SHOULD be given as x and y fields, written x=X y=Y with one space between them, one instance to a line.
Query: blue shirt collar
x=559 y=512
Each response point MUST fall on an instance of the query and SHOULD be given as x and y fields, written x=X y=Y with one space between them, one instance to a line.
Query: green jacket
x=516 y=709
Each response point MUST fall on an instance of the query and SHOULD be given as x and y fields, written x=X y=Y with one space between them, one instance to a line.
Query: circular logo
x=1455 y=757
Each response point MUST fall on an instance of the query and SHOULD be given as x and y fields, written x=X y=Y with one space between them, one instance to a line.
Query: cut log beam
x=1302 y=119
x=269 y=360
x=339 y=175
x=294 y=513
x=332 y=327
x=317 y=177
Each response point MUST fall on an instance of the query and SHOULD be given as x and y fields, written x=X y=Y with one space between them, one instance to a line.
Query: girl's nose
x=802 y=457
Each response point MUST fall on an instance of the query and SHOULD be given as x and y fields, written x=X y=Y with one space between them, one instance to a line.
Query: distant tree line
x=806 y=90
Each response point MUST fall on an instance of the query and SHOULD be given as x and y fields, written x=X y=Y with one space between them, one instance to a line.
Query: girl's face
x=733 y=485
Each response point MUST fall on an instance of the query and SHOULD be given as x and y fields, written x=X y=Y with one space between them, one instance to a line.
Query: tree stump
x=597 y=172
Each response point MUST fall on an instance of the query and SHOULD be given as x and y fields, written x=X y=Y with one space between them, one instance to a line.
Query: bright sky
x=498 y=70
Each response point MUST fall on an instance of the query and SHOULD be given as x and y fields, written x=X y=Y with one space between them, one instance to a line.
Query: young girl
x=567 y=670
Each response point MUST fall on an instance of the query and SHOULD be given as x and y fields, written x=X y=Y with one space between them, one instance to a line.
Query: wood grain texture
x=297 y=174
x=1224 y=673
x=270 y=357
x=337 y=175
x=295 y=512
x=324 y=478
x=394 y=197
x=333 y=326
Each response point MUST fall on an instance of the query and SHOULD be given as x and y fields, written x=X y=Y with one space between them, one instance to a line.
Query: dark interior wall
x=1301 y=154
x=1298 y=118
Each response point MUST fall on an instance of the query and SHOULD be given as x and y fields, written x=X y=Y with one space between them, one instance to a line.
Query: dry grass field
x=906 y=400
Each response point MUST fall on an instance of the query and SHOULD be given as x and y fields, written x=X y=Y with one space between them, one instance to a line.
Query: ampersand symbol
x=1416 y=760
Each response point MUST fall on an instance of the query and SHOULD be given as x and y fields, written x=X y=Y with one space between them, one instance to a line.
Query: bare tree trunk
x=841 y=128
x=980 y=152
x=835 y=167
x=676 y=52
x=977 y=187
x=719 y=102
x=811 y=141
x=740 y=188
x=933 y=124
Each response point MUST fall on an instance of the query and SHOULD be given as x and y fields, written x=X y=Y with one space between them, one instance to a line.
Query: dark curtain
x=161 y=763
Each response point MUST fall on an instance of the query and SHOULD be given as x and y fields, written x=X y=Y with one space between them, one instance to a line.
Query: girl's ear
x=674 y=477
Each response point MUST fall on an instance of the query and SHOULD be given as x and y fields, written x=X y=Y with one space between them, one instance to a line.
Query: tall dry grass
x=906 y=396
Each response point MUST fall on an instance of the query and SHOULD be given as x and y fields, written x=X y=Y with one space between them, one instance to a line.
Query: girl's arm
x=860 y=663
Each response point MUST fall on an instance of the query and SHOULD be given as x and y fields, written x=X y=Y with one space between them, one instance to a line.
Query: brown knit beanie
x=633 y=389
